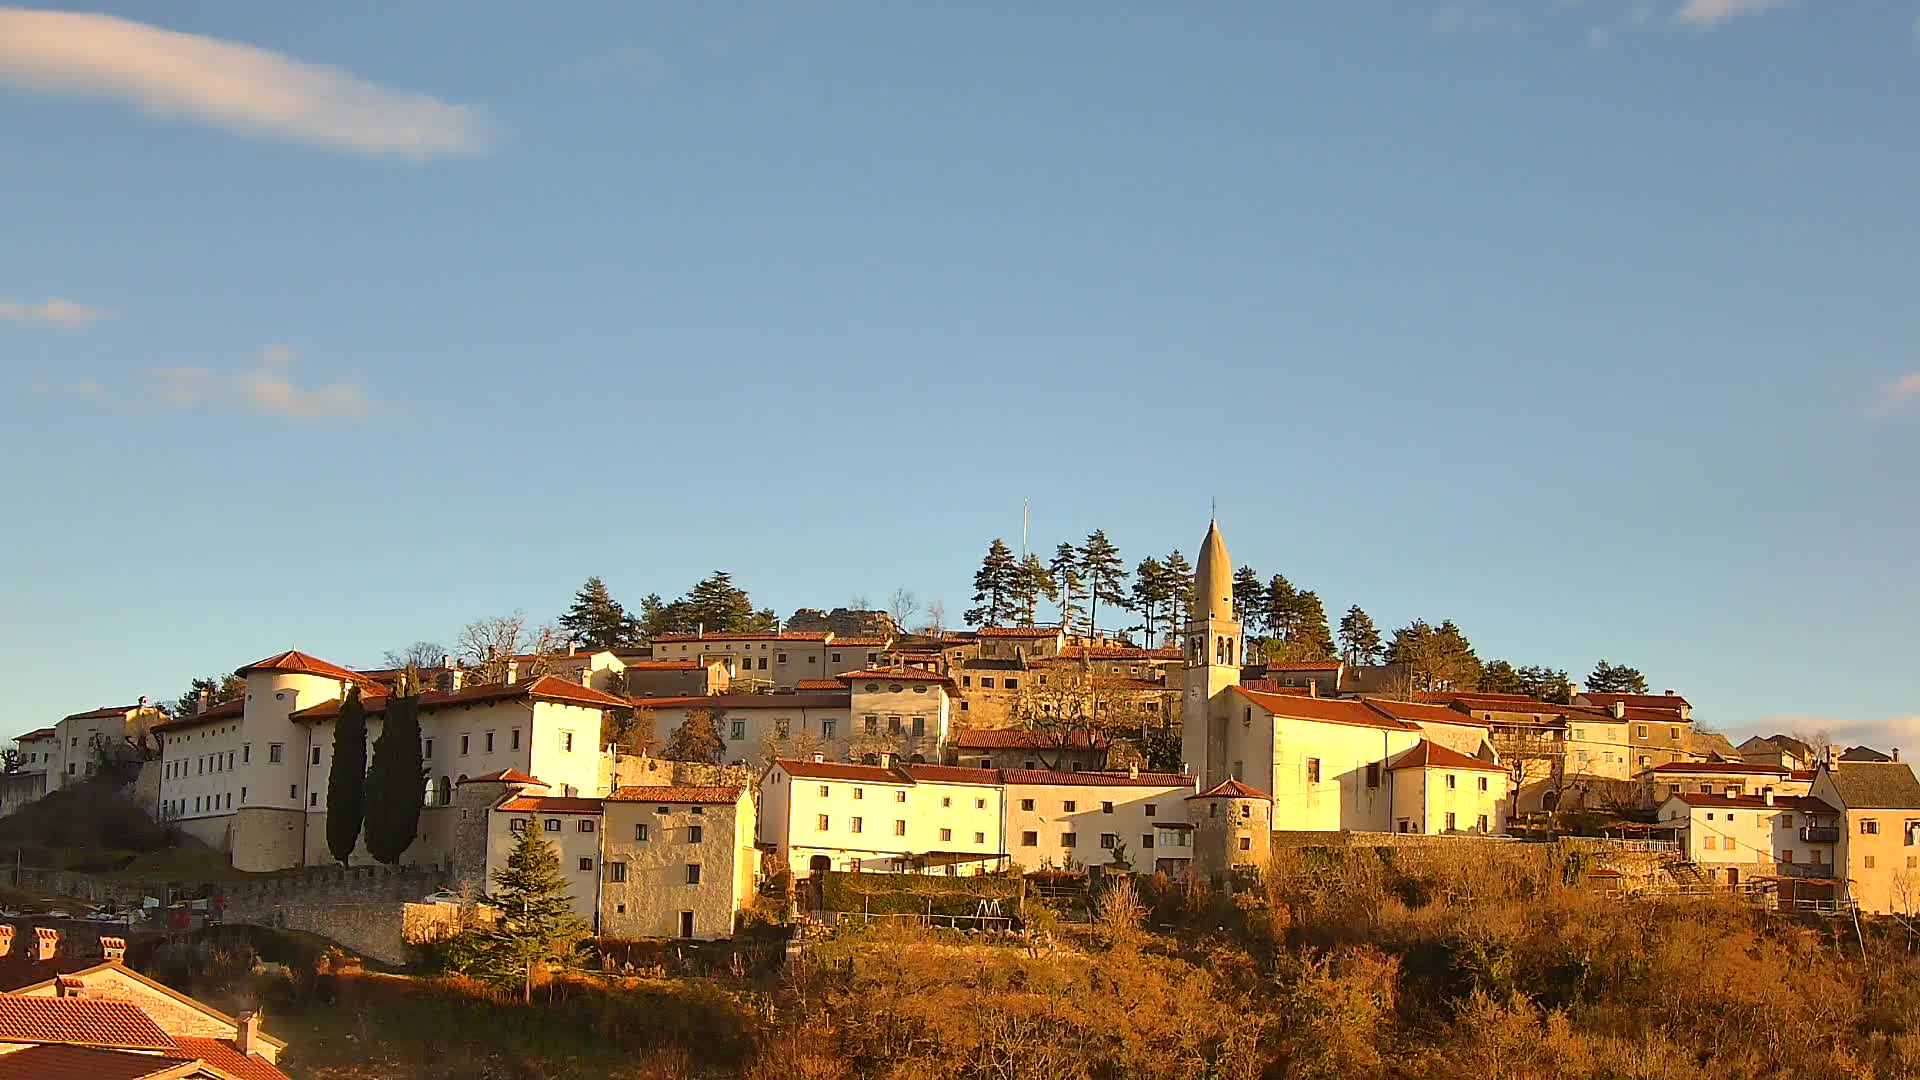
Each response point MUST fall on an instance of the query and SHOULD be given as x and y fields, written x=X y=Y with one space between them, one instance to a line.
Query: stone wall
x=638 y=771
x=325 y=886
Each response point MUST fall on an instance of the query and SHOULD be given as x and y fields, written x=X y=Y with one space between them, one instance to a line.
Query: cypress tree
x=347 y=782
x=397 y=780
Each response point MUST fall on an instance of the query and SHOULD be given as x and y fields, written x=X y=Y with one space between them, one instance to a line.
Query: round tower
x=1232 y=828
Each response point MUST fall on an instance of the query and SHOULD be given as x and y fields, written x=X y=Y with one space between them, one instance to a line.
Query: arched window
x=443 y=794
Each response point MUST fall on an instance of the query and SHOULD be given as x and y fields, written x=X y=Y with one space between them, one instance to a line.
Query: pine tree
x=719 y=606
x=1434 y=658
x=1105 y=576
x=1616 y=679
x=347 y=782
x=1032 y=582
x=994 y=586
x=537 y=920
x=1282 y=609
x=596 y=620
x=218 y=688
x=1250 y=601
x=1359 y=637
x=1065 y=572
x=1499 y=677
x=1546 y=684
x=1180 y=586
x=657 y=617
x=397 y=780
x=1312 y=639
x=1151 y=590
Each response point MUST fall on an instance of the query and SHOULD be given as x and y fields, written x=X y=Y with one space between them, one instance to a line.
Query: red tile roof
x=102 y=713
x=1118 y=652
x=1665 y=702
x=1431 y=755
x=212 y=714
x=949 y=774
x=223 y=1055
x=43 y=733
x=1735 y=767
x=984 y=739
x=505 y=776
x=1803 y=803
x=897 y=773
x=1307 y=665
x=63 y=1062
x=296 y=661
x=1268 y=686
x=718 y=795
x=1232 y=789
x=544 y=688
x=818 y=684
x=896 y=674
x=1414 y=712
x=839 y=700
x=768 y=635
x=551 y=804
x=1324 y=710
x=858 y=642
x=666 y=665
x=1019 y=631
x=1102 y=778
x=79 y=1022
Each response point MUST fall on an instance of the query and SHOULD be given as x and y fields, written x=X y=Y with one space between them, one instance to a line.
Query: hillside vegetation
x=1442 y=964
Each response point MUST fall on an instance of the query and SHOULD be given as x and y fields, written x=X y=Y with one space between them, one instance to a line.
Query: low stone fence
x=324 y=885
x=1307 y=839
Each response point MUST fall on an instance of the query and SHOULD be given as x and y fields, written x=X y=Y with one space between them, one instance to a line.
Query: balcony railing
x=1819 y=834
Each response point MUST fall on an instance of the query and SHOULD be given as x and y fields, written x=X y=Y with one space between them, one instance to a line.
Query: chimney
x=513 y=671
x=1619 y=710
x=1670 y=691
x=6 y=939
x=69 y=986
x=1896 y=753
x=886 y=761
x=1730 y=793
x=572 y=647
x=249 y=1030
x=1767 y=795
x=446 y=661
x=113 y=949
x=46 y=943
x=819 y=758
x=143 y=703
x=700 y=631
x=1133 y=771
x=204 y=699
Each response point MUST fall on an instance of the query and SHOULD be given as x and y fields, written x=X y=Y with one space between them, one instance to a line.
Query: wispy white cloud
x=1707 y=14
x=53 y=312
x=266 y=388
x=1898 y=395
x=230 y=85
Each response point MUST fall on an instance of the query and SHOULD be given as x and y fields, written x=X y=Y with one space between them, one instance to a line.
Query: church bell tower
x=1213 y=661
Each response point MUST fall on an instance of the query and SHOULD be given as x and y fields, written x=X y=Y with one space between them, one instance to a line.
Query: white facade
x=830 y=816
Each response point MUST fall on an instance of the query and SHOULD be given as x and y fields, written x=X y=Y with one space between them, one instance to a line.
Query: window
x=1869 y=827
x=986 y=683
x=859 y=793
x=1108 y=840
x=893 y=725
x=586 y=863
x=946 y=834
x=1483 y=783
x=1313 y=770
x=466 y=745
x=513 y=739
x=899 y=796
x=1068 y=839
x=313 y=798
x=1106 y=808
x=616 y=872
x=640 y=832
x=1786 y=855
x=966 y=680
x=693 y=873
x=946 y=800
x=293 y=791
x=979 y=838
x=552 y=825
x=825 y=791
x=1452 y=781
x=1707 y=842
x=1246 y=843
x=1029 y=839
x=1026 y=804
x=763 y=663
x=1867 y=861
x=566 y=741
x=1146 y=841
x=919 y=725
x=826 y=729
x=246 y=753
x=739 y=730
x=1646 y=761
x=1786 y=822
x=857 y=825
x=836 y=658
x=1013 y=683
x=820 y=823
x=979 y=804
x=1373 y=774
x=275 y=751
x=1070 y=806
x=426 y=748
x=871 y=724
x=586 y=824
x=1481 y=823
x=1642 y=731
x=662 y=809
x=899 y=827
x=782 y=726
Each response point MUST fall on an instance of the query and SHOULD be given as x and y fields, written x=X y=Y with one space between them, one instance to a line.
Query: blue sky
x=1588 y=325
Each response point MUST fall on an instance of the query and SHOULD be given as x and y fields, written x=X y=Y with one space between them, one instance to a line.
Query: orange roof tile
x=297 y=661
x=1431 y=755
x=1324 y=710
x=665 y=665
x=1007 y=739
x=1232 y=789
x=1414 y=712
x=1664 y=702
x=223 y=1055
x=1718 y=767
x=79 y=1022
x=1307 y=665
x=505 y=776
x=212 y=714
x=818 y=684
x=1118 y=652
x=56 y=1061
x=857 y=642
x=1805 y=804
x=716 y=795
x=551 y=804
x=1102 y=778
x=545 y=688
x=768 y=635
x=900 y=674
x=1019 y=631
x=840 y=699
x=42 y=733
x=102 y=713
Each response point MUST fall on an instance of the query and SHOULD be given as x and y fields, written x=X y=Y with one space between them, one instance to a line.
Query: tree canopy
x=995 y=587
x=596 y=620
x=1359 y=638
x=1434 y=657
x=396 y=782
x=1616 y=679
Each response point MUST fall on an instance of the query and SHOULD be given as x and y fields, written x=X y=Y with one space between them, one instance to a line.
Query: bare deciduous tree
x=420 y=654
x=488 y=647
x=902 y=606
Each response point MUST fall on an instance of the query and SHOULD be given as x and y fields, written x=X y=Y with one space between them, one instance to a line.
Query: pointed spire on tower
x=1213 y=578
